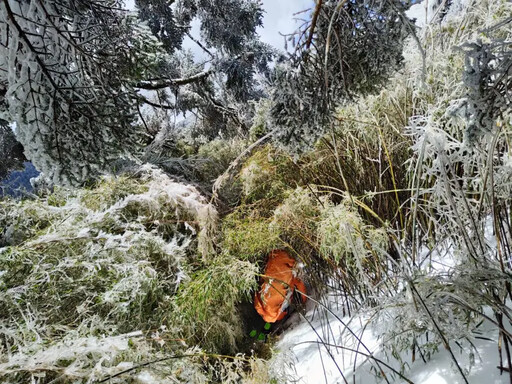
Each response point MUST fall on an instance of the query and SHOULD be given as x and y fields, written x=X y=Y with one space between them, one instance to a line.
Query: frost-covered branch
x=349 y=48
x=166 y=83
x=73 y=111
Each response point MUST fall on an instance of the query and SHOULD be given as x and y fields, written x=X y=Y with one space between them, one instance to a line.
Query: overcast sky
x=278 y=17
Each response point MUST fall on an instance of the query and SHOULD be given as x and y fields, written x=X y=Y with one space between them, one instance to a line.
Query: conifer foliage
x=63 y=71
x=488 y=77
x=70 y=72
x=348 y=48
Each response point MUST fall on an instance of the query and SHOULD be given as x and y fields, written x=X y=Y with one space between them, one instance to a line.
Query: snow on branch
x=165 y=83
x=64 y=67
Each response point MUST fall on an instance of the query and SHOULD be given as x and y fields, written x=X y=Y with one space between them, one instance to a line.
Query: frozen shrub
x=344 y=236
x=248 y=238
x=299 y=207
x=487 y=74
x=86 y=276
x=215 y=157
x=267 y=174
x=296 y=219
x=204 y=308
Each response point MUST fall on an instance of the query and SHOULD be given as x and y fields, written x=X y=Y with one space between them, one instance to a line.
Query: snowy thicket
x=446 y=289
x=88 y=279
x=487 y=77
x=399 y=216
x=461 y=150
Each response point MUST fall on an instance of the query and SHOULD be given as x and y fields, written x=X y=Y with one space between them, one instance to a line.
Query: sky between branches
x=278 y=17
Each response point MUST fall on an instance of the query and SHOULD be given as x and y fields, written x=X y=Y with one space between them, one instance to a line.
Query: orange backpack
x=277 y=287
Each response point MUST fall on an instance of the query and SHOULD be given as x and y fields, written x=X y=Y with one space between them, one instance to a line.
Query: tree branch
x=22 y=35
x=145 y=100
x=199 y=44
x=154 y=85
x=313 y=23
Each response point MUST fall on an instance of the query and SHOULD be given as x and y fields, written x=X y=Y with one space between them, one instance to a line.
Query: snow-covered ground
x=327 y=347
x=306 y=346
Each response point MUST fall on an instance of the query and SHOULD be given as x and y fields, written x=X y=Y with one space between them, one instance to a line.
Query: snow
x=418 y=12
x=69 y=350
x=146 y=377
x=313 y=363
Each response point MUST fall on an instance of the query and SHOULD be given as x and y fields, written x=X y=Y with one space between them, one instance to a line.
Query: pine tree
x=64 y=66
x=348 y=49
x=71 y=72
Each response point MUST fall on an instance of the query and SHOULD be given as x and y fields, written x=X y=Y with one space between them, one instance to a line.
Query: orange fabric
x=277 y=287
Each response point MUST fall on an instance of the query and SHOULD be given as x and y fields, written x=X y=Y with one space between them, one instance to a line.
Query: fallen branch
x=235 y=165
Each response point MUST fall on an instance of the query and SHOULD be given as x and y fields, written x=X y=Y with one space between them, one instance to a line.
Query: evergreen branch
x=154 y=85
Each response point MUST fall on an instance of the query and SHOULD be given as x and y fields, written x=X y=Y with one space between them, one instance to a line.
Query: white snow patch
x=314 y=364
